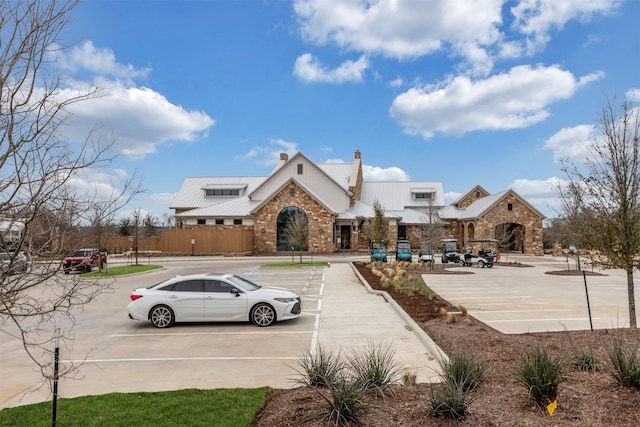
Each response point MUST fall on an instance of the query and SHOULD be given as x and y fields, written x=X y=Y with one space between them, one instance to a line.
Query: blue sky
x=464 y=92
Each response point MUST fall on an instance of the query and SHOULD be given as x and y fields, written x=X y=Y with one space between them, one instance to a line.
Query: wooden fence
x=201 y=241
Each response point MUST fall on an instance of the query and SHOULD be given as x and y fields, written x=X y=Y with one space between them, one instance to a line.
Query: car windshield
x=405 y=246
x=243 y=283
x=450 y=246
x=81 y=253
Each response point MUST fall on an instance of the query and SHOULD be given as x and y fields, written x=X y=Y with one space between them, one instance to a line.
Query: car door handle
x=173 y=296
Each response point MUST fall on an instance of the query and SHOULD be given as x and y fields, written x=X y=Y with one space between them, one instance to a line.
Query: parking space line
x=556 y=319
x=210 y=333
x=180 y=359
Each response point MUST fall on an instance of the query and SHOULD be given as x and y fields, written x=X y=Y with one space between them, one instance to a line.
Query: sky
x=466 y=92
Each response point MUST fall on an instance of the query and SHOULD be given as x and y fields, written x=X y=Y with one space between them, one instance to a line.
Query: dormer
x=423 y=194
x=224 y=190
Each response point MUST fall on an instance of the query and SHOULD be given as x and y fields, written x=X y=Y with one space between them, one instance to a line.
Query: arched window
x=286 y=217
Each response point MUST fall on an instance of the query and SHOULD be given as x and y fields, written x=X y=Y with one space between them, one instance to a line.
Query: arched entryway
x=284 y=218
x=510 y=236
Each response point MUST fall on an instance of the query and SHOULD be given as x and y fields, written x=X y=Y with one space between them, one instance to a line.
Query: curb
x=422 y=336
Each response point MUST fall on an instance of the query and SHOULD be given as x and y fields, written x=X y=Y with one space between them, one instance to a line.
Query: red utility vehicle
x=83 y=260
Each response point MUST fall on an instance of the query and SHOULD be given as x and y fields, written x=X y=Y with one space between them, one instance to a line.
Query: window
x=427 y=196
x=299 y=168
x=217 y=286
x=218 y=192
x=202 y=221
x=292 y=192
x=477 y=194
x=237 y=222
x=509 y=206
x=219 y=221
x=402 y=232
x=188 y=286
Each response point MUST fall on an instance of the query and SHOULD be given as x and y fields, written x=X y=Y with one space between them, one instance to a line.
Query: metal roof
x=236 y=207
x=191 y=195
x=397 y=195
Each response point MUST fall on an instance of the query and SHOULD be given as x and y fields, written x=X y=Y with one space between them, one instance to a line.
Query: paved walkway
x=352 y=319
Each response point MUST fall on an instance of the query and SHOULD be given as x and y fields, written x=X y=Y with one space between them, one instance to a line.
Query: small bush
x=463 y=370
x=385 y=282
x=449 y=401
x=344 y=400
x=624 y=360
x=319 y=369
x=409 y=378
x=585 y=360
x=376 y=368
x=540 y=374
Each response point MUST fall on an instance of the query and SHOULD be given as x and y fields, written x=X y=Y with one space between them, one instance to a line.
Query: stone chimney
x=357 y=154
x=284 y=156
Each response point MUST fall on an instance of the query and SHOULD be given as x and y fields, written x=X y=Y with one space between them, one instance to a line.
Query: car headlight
x=285 y=300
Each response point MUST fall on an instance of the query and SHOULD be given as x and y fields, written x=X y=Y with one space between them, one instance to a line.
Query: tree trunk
x=632 y=301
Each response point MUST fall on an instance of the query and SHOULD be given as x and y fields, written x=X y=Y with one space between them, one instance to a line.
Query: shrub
x=463 y=370
x=624 y=360
x=344 y=400
x=585 y=360
x=409 y=378
x=540 y=374
x=319 y=369
x=449 y=401
x=376 y=368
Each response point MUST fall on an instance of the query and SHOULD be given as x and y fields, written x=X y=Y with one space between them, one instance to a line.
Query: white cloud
x=270 y=155
x=633 y=95
x=571 y=143
x=397 y=82
x=308 y=68
x=98 y=61
x=375 y=173
x=517 y=99
x=469 y=29
x=543 y=195
x=450 y=196
x=137 y=118
x=536 y=18
x=399 y=29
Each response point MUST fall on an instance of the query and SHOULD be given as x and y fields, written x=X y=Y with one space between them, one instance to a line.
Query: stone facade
x=527 y=225
x=320 y=221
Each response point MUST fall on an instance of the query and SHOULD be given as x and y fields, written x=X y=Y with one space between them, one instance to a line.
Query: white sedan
x=212 y=298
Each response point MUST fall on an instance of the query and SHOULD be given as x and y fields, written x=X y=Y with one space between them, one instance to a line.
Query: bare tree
x=37 y=167
x=296 y=230
x=601 y=200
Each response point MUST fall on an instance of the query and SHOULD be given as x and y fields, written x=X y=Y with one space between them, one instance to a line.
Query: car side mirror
x=235 y=292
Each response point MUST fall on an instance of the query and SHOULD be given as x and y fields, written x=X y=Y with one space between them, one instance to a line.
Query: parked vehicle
x=450 y=251
x=378 y=253
x=426 y=253
x=212 y=298
x=481 y=253
x=13 y=262
x=403 y=251
x=83 y=260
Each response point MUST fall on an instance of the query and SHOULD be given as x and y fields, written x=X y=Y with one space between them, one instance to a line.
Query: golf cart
x=426 y=253
x=378 y=253
x=450 y=251
x=403 y=250
x=481 y=253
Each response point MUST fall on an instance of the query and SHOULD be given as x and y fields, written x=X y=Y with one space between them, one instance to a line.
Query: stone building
x=338 y=204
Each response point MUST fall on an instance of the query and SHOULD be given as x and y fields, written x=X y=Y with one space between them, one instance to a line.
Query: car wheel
x=66 y=271
x=263 y=315
x=462 y=263
x=489 y=265
x=161 y=316
x=480 y=263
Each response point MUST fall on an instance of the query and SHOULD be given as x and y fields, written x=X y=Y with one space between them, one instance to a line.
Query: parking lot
x=124 y=355
x=525 y=299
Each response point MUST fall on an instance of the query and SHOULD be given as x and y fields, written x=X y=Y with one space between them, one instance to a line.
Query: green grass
x=191 y=407
x=121 y=270
x=295 y=264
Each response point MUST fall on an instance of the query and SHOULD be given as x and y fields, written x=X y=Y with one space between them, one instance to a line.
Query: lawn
x=192 y=407
x=122 y=270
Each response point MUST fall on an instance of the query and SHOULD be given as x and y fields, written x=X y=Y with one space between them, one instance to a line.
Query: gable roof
x=468 y=193
x=317 y=198
x=484 y=204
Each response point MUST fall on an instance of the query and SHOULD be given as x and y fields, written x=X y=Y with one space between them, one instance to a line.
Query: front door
x=345 y=237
